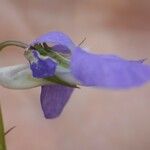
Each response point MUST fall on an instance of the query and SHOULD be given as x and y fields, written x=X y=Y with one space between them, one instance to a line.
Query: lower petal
x=54 y=98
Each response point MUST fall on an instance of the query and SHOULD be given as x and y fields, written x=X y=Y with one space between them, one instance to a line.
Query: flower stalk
x=2 y=133
x=12 y=43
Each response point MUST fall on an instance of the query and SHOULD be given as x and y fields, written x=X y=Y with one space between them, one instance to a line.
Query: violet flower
x=59 y=66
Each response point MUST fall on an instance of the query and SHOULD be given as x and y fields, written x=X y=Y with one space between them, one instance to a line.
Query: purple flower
x=41 y=67
x=58 y=66
x=108 y=71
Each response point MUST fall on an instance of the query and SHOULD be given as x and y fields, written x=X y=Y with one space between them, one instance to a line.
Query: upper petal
x=54 y=98
x=108 y=71
x=59 y=40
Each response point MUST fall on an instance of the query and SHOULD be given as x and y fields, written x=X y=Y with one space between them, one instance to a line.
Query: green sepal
x=45 y=50
x=57 y=80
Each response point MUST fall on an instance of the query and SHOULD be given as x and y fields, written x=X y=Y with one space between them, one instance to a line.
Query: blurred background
x=93 y=119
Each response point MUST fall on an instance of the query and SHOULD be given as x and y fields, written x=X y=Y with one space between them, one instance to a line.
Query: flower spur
x=59 y=66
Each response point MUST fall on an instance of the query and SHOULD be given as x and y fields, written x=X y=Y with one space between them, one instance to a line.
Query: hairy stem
x=2 y=134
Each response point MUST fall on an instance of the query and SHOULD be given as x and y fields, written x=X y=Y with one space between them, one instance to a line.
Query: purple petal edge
x=53 y=99
x=58 y=39
x=108 y=71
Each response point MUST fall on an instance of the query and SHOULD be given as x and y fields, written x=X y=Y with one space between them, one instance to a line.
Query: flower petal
x=54 y=98
x=108 y=71
x=42 y=67
x=19 y=77
x=59 y=40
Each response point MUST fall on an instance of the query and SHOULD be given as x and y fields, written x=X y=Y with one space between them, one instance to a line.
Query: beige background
x=93 y=119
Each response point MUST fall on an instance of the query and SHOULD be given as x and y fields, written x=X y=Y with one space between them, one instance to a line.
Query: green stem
x=2 y=134
x=12 y=43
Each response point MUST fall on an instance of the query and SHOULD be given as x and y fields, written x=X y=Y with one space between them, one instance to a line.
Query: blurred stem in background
x=12 y=43
x=2 y=133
